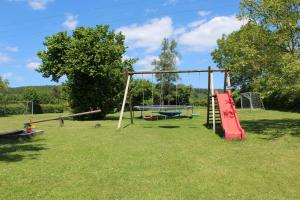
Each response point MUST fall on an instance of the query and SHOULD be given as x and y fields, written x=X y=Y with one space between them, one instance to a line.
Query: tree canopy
x=92 y=60
x=263 y=55
x=3 y=85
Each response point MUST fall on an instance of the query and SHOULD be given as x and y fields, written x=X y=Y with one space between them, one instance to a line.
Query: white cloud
x=35 y=4
x=178 y=61
x=204 y=36
x=200 y=35
x=11 y=76
x=179 y=31
x=146 y=63
x=7 y=75
x=32 y=65
x=38 y=4
x=4 y=58
x=203 y=13
x=194 y=24
x=148 y=35
x=12 y=49
x=71 y=22
x=149 y=11
x=170 y=2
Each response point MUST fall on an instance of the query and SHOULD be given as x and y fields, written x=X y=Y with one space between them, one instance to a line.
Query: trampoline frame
x=163 y=107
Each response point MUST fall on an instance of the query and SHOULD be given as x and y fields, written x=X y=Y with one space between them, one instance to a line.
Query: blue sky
x=195 y=24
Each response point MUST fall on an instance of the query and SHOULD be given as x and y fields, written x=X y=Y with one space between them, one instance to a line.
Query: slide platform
x=230 y=121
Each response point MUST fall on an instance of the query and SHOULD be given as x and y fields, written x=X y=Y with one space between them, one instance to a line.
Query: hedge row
x=11 y=109
x=16 y=109
x=52 y=108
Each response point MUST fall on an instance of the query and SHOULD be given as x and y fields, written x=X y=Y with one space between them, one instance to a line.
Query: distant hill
x=46 y=89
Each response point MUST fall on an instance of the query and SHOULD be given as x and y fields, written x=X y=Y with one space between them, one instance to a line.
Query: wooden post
x=124 y=101
x=208 y=95
x=213 y=102
x=225 y=80
x=130 y=107
x=61 y=122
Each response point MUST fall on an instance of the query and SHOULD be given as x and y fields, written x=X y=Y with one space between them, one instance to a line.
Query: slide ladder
x=217 y=113
x=229 y=118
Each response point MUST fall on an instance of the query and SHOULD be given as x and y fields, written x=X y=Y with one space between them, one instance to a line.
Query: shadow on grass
x=127 y=125
x=169 y=126
x=11 y=150
x=113 y=118
x=219 y=130
x=273 y=129
x=163 y=118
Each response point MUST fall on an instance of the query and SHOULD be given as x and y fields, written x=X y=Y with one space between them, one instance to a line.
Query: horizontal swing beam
x=175 y=71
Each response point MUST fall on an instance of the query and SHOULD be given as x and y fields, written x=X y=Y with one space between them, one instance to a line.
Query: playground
x=163 y=159
x=163 y=99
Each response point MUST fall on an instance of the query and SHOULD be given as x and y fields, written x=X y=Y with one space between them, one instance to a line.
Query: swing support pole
x=208 y=95
x=124 y=101
x=130 y=107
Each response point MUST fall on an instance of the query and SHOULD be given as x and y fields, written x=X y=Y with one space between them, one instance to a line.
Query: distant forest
x=44 y=89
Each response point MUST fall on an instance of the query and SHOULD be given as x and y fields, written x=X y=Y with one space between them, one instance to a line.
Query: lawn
x=165 y=159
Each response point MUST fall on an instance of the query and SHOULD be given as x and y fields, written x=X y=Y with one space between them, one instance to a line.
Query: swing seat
x=170 y=113
x=148 y=117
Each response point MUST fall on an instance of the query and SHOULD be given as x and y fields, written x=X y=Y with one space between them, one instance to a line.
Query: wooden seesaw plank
x=63 y=117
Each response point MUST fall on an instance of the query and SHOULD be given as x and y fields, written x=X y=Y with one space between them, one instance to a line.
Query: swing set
x=162 y=109
x=220 y=106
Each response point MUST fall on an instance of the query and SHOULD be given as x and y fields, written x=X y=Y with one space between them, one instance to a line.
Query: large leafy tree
x=3 y=88
x=264 y=54
x=279 y=16
x=249 y=53
x=167 y=62
x=92 y=60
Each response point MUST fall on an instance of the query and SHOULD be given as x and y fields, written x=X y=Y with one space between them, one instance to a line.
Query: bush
x=11 y=109
x=52 y=108
x=17 y=109
x=199 y=101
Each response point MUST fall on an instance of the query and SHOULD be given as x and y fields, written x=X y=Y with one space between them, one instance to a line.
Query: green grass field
x=166 y=159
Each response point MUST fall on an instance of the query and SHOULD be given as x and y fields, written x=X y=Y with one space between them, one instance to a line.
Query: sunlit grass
x=165 y=159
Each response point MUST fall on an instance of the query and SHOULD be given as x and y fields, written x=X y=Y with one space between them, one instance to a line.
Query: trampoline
x=170 y=113
x=162 y=107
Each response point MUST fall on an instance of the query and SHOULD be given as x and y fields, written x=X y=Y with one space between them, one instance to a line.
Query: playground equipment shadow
x=168 y=126
x=11 y=150
x=161 y=117
x=273 y=128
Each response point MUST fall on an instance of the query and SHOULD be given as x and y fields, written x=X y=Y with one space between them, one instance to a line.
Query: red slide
x=229 y=118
